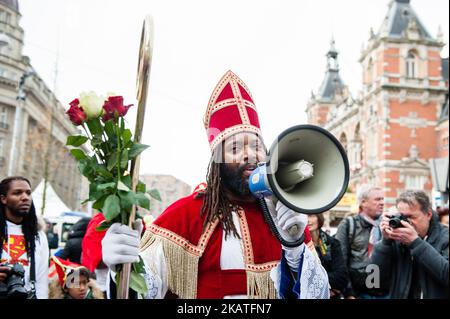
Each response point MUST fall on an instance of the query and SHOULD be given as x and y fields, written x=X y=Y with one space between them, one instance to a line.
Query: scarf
x=375 y=233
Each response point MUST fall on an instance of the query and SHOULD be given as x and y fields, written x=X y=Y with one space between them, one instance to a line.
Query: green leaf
x=128 y=144
x=126 y=136
x=154 y=193
x=95 y=127
x=96 y=196
x=104 y=186
x=102 y=171
x=98 y=204
x=137 y=283
x=121 y=186
x=136 y=149
x=103 y=226
x=127 y=199
x=126 y=180
x=124 y=159
x=86 y=168
x=107 y=146
x=111 y=208
x=92 y=188
x=112 y=161
x=142 y=200
x=94 y=193
x=78 y=154
x=109 y=128
x=139 y=267
x=141 y=187
x=76 y=140
x=96 y=141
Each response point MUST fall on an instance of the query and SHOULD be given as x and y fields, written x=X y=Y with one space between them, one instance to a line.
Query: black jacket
x=332 y=260
x=72 y=250
x=431 y=257
x=354 y=245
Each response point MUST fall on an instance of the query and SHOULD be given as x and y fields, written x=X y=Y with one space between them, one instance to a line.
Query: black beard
x=234 y=181
x=19 y=212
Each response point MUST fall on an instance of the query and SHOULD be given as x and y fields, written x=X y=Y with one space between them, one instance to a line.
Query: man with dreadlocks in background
x=22 y=243
x=215 y=243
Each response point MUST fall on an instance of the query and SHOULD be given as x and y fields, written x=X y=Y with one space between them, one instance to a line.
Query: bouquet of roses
x=104 y=154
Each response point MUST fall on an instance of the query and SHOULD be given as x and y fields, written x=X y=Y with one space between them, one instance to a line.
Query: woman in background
x=330 y=254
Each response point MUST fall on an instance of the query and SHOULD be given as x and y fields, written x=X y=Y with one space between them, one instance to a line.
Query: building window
x=444 y=143
x=372 y=111
x=3 y=117
x=5 y=16
x=411 y=65
x=372 y=148
x=343 y=140
x=370 y=70
x=2 y=157
x=357 y=150
x=415 y=181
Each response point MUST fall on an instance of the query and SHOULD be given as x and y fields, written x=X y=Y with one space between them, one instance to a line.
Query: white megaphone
x=307 y=170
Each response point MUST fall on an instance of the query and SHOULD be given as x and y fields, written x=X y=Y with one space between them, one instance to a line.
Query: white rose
x=92 y=104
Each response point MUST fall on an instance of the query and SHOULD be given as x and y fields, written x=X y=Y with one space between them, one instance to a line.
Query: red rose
x=76 y=113
x=114 y=108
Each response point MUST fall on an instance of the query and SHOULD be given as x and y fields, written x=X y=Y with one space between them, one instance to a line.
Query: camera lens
x=395 y=222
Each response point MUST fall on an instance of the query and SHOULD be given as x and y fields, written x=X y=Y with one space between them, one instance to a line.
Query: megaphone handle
x=274 y=229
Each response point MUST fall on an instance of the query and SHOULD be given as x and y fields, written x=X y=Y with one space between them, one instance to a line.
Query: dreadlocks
x=29 y=224
x=216 y=204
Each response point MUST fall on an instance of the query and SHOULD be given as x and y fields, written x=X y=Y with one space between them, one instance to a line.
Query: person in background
x=24 y=244
x=357 y=236
x=72 y=249
x=52 y=237
x=71 y=281
x=443 y=215
x=413 y=255
x=330 y=254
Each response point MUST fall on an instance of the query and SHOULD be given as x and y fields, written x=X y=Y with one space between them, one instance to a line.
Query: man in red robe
x=215 y=243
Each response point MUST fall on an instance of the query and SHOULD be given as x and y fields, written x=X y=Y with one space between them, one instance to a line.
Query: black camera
x=14 y=286
x=395 y=221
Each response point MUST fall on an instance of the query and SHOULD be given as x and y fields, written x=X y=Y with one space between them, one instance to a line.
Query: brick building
x=399 y=122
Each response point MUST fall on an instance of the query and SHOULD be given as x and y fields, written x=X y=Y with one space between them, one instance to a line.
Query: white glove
x=290 y=224
x=120 y=246
x=285 y=218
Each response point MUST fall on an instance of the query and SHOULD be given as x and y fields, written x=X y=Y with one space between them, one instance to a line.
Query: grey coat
x=431 y=256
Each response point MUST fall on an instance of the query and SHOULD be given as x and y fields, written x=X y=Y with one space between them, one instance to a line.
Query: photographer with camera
x=413 y=254
x=24 y=252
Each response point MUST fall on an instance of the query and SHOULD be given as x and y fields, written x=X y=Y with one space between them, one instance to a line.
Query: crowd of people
x=215 y=242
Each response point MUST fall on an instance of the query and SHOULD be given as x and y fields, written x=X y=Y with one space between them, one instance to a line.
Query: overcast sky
x=277 y=47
